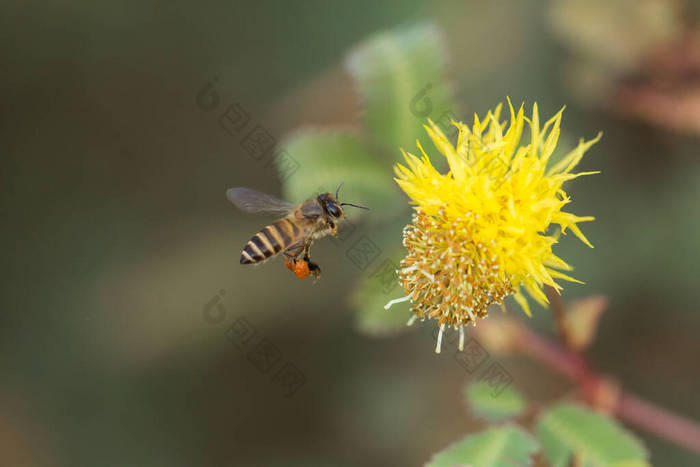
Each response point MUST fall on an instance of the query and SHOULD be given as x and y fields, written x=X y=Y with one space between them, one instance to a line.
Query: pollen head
x=449 y=277
x=485 y=229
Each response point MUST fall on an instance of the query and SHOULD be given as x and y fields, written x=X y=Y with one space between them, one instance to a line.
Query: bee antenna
x=355 y=206
x=338 y=190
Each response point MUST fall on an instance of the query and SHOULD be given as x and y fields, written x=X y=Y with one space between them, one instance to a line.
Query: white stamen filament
x=461 y=338
x=397 y=300
x=428 y=275
x=439 y=339
x=411 y=320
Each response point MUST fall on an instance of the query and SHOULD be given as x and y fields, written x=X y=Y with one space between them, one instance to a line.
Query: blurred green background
x=117 y=232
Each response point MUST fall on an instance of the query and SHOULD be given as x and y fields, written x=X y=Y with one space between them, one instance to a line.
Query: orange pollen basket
x=300 y=268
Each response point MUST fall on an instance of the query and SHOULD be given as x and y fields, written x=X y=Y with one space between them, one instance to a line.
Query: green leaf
x=596 y=439
x=508 y=404
x=507 y=445
x=401 y=75
x=375 y=289
x=321 y=159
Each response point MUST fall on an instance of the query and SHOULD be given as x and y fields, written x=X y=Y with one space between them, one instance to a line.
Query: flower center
x=448 y=276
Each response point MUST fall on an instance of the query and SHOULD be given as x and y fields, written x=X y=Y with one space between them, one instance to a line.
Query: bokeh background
x=116 y=233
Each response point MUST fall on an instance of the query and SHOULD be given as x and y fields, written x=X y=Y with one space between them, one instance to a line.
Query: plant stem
x=628 y=407
x=659 y=421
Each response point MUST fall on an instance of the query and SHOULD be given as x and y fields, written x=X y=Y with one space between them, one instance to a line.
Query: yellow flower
x=482 y=232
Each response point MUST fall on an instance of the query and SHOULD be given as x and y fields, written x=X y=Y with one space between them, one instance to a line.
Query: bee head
x=333 y=207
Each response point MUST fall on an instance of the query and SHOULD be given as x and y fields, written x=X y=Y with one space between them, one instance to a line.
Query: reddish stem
x=570 y=365
x=628 y=407
x=659 y=421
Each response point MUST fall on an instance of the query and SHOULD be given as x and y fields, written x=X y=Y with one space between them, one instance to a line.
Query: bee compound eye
x=334 y=210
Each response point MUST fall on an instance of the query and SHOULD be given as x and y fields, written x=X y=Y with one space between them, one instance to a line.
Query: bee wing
x=254 y=201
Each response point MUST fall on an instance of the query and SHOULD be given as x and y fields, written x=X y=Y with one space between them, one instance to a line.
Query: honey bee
x=294 y=233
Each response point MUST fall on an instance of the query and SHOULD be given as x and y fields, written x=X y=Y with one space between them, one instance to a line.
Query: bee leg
x=314 y=268
x=290 y=259
x=300 y=267
x=293 y=252
x=289 y=262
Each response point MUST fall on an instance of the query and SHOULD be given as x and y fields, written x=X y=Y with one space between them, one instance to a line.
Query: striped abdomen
x=274 y=238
